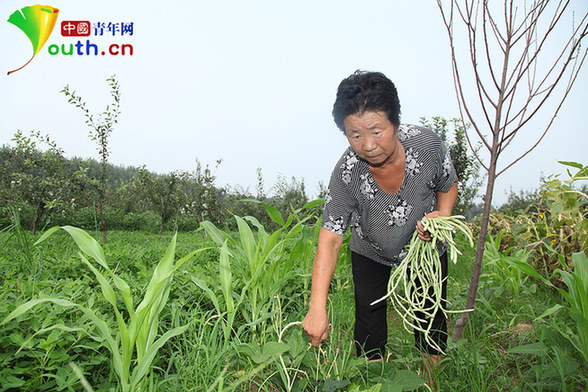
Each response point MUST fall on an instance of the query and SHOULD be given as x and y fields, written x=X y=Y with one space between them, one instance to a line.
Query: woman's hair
x=366 y=91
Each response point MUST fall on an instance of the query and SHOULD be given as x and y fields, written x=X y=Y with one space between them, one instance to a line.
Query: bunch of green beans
x=416 y=302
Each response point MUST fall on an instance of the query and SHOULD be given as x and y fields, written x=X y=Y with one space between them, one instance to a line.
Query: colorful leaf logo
x=37 y=22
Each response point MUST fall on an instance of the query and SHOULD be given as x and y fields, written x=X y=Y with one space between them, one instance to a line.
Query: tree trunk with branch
x=101 y=127
x=518 y=66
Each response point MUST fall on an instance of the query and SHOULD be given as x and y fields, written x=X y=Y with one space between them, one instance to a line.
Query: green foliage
x=203 y=199
x=504 y=265
x=164 y=193
x=466 y=166
x=101 y=127
x=43 y=181
x=555 y=226
x=133 y=345
x=258 y=266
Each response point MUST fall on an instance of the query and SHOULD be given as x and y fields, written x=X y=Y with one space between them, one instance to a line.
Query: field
x=220 y=311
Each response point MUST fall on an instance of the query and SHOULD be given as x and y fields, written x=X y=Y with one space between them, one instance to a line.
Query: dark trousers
x=371 y=327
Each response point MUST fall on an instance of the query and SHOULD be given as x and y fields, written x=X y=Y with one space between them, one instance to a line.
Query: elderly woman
x=391 y=177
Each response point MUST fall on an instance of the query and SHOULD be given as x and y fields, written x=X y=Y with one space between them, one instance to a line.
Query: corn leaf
x=22 y=309
x=247 y=240
x=145 y=363
x=225 y=277
x=214 y=233
x=88 y=245
x=202 y=284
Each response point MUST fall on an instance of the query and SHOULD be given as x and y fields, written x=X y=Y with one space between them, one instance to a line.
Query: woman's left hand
x=424 y=234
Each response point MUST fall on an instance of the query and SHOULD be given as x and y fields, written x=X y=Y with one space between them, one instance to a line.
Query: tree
x=203 y=199
x=289 y=196
x=514 y=77
x=100 y=129
x=164 y=192
x=43 y=180
x=466 y=165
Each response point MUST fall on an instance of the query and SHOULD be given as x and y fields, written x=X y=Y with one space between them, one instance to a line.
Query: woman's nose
x=369 y=144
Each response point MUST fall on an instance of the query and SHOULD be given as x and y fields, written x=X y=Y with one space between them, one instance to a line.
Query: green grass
x=488 y=358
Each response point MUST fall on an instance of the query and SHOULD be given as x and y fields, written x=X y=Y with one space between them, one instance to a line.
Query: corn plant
x=503 y=262
x=133 y=343
x=576 y=297
x=262 y=264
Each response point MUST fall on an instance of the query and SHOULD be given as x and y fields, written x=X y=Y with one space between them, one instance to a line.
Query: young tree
x=508 y=63
x=101 y=127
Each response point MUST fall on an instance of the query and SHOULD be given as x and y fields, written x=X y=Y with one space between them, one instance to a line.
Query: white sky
x=251 y=82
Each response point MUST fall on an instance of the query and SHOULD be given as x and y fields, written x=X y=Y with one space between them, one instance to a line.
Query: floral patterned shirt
x=382 y=223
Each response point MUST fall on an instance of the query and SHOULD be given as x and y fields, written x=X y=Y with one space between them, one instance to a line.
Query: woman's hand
x=424 y=234
x=316 y=326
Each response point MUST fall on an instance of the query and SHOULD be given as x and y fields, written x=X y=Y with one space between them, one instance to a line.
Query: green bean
x=422 y=264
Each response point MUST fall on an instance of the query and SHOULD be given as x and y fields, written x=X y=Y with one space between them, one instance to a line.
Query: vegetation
x=221 y=312
x=221 y=278
x=510 y=89
x=101 y=127
x=467 y=168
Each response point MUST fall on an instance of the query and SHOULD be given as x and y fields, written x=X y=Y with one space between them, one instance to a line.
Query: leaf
x=538 y=349
x=247 y=239
x=213 y=232
x=572 y=164
x=22 y=309
x=525 y=268
x=274 y=214
x=313 y=203
x=226 y=277
x=331 y=385
x=202 y=284
x=88 y=245
x=549 y=311
x=268 y=351
x=107 y=289
x=145 y=362
x=408 y=380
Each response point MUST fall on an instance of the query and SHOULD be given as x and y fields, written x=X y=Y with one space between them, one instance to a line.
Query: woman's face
x=372 y=136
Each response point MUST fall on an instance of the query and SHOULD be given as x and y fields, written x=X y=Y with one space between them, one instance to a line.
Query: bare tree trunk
x=477 y=269
x=102 y=221
x=37 y=221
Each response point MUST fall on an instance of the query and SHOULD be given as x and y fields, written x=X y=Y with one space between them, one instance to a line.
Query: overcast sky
x=249 y=82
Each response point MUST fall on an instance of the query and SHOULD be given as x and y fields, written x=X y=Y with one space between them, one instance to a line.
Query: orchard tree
x=101 y=127
x=203 y=198
x=289 y=195
x=43 y=180
x=512 y=55
x=164 y=193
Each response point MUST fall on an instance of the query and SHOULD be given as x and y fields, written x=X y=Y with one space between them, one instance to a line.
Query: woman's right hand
x=316 y=326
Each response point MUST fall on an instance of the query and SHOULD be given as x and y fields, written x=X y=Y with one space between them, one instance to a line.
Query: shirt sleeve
x=339 y=204
x=446 y=175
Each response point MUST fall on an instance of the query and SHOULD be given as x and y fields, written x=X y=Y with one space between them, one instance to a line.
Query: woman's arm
x=445 y=203
x=316 y=322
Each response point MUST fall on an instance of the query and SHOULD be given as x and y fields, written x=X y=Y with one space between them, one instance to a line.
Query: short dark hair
x=366 y=91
